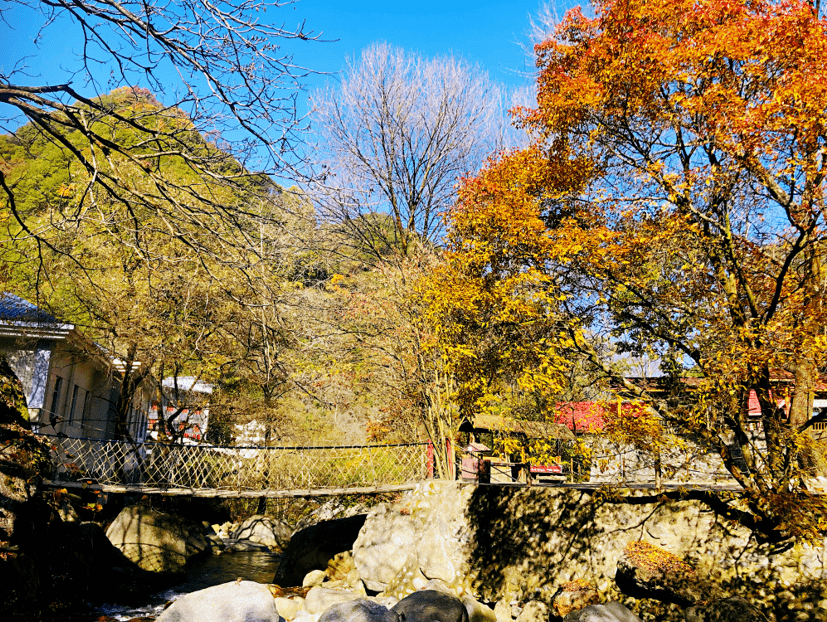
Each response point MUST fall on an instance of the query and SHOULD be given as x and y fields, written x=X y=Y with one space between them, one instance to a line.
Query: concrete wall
x=30 y=360
x=87 y=396
x=685 y=463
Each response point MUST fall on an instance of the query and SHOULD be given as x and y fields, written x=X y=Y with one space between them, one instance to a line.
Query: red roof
x=581 y=416
x=755 y=406
x=589 y=417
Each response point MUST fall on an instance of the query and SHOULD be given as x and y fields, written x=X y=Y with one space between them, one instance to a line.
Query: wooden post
x=430 y=459
x=449 y=459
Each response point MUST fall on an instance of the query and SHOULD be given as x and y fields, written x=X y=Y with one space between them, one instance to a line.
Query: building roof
x=531 y=429
x=16 y=309
x=754 y=406
x=20 y=318
x=582 y=417
x=187 y=383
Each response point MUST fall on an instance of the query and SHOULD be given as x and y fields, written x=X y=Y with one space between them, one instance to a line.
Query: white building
x=71 y=385
x=187 y=396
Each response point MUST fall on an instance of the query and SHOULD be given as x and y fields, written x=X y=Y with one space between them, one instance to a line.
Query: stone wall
x=523 y=543
x=685 y=463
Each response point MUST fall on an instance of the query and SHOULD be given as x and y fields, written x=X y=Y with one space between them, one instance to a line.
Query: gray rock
x=314 y=578
x=331 y=510
x=610 y=612
x=359 y=610
x=431 y=606
x=725 y=610
x=342 y=567
x=384 y=545
x=320 y=599
x=439 y=585
x=503 y=611
x=263 y=530
x=312 y=548
x=288 y=608
x=436 y=551
x=215 y=541
x=154 y=541
x=244 y=601
x=197 y=541
x=243 y=546
x=426 y=535
x=477 y=612
x=534 y=611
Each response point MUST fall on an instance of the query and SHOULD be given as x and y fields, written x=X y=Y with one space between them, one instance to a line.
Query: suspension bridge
x=201 y=470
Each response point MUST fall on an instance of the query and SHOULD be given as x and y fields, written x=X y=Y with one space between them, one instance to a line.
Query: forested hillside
x=224 y=276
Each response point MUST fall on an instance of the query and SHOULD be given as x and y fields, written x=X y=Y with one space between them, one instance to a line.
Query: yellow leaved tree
x=672 y=197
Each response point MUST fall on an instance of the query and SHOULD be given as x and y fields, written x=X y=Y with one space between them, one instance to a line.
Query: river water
x=201 y=574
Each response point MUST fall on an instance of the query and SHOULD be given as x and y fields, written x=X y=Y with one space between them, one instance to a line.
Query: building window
x=56 y=398
x=72 y=409
x=85 y=407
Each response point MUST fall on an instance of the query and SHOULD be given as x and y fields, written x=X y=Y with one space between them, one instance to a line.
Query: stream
x=201 y=574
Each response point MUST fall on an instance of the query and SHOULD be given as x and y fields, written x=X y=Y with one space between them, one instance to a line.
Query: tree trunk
x=261 y=508
x=801 y=407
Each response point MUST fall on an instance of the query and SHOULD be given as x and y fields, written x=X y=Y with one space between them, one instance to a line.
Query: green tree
x=163 y=304
x=234 y=82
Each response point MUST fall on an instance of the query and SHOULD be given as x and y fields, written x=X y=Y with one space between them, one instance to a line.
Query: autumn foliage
x=671 y=201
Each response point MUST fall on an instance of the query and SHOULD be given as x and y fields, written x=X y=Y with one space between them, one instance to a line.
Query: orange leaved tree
x=672 y=195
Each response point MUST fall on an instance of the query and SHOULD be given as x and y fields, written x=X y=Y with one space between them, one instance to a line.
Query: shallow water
x=201 y=574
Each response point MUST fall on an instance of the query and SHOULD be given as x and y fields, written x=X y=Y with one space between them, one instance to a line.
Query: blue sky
x=484 y=33
x=487 y=33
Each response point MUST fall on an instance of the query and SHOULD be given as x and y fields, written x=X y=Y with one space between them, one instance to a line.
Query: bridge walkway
x=200 y=470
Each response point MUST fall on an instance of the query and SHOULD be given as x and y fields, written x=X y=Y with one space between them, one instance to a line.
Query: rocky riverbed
x=504 y=555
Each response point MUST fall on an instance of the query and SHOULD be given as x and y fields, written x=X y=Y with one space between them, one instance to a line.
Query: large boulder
x=424 y=536
x=725 y=610
x=289 y=608
x=332 y=509
x=154 y=541
x=478 y=612
x=319 y=599
x=359 y=610
x=431 y=606
x=647 y=571
x=263 y=530
x=382 y=549
x=502 y=541
x=313 y=547
x=239 y=601
x=610 y=612
x=534 y=611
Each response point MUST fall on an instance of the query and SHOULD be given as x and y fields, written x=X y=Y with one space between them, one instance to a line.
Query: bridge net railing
x=167 y=465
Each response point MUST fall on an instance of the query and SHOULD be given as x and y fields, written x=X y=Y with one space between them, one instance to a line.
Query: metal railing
x=211 y=467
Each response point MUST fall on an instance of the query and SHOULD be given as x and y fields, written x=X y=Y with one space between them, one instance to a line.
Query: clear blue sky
x=482 y=32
